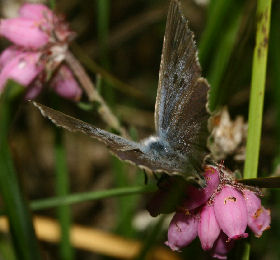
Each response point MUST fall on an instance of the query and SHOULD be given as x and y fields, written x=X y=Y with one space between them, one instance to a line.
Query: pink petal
x=208 y=228
x=66 y=85
x=35 y=12
x=231 y=212
x=195 y=196
x=23 y=69
x=34 y=90
x=8 y=54
x=221 y=247
x=23 y=32
x=182 y=230
x=253 y=202
x=258 y=217
x=260 y=221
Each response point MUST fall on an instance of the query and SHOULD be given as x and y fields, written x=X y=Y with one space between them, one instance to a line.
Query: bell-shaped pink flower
x=208 y=228
x=258 y=217
x=182 y=230
x=36 y=12
x=231 y=212
x=23 y=68
x=66 y=85
x=221 y=247
x=260 y=221
x=7 y=55
x=24 y=32
x=195 y=196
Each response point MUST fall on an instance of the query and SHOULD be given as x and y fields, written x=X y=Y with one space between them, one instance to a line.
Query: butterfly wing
x=124 y=149
x=180 y=112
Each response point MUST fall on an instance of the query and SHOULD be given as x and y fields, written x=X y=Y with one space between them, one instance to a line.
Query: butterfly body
x=179 y=144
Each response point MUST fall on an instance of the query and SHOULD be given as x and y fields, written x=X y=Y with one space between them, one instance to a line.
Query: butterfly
x=179 y=144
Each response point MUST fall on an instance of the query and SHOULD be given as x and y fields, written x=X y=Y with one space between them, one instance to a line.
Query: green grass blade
x=257 y=89
x=216 y=14
x=274 y=60
x=62 y=189
x=219 y=65
x=20 y=220
x=87 y=196
x=257 y=95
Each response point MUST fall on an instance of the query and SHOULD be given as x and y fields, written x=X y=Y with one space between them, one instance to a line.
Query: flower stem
x=93 y=95
x=257 y=89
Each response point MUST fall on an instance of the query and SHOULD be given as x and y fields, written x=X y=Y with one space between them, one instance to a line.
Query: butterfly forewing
x=124 y=149
x=180 y=113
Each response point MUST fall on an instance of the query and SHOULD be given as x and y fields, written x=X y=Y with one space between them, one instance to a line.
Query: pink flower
x=24 y=32
x=36 y=12
x=258 y=217
x=260 y=221
x=195 y=197
x=222 y=247
x=41 y=42
x=7 y=55
x=231 y=212
x=23 y=68
x=208 y=228
x=182 y=230
x=65 y=84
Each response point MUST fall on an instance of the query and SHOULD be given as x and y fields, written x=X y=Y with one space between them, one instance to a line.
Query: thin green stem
x=257 y=89
x=62 y=189
x=246 y=251
x=87 y=196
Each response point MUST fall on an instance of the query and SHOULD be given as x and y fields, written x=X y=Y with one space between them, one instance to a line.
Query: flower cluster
x=218 y=214
x=40 y=41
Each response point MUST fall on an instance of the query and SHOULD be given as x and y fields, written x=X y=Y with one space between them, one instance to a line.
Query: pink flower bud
x=182 y=230
x=23 y=32
x=23 y=69
x=231 y=212
x=7 y=55
x=208 y=228
x=221 y=247
x=260 y=221
x=195 y=196
x=35 y=12
x=66 y=85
